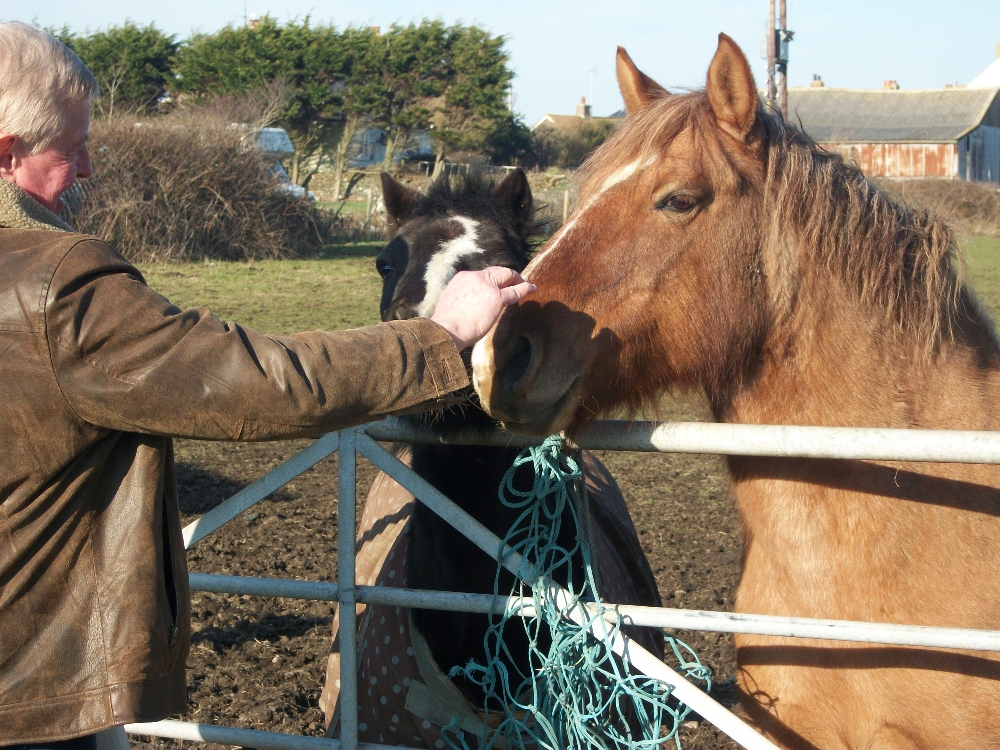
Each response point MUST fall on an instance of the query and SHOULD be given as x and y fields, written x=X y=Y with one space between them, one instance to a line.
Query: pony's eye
x=679 y=203
x=383 y=268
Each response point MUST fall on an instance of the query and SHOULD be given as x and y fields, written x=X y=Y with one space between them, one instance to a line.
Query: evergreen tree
x=309 y=59
x=132 y=64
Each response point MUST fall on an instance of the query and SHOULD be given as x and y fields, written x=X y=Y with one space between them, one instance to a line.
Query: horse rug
x=404 y=698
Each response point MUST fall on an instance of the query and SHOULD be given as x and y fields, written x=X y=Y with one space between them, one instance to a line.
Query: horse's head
x=654 y=281
x=464 y=224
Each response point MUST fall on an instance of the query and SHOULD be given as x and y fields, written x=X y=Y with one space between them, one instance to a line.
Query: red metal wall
x=901 y=159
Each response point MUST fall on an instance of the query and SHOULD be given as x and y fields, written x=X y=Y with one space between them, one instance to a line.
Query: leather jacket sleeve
x=126 y=359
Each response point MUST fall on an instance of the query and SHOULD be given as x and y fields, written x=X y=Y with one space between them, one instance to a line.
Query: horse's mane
x=471 y=195
x=903 y=263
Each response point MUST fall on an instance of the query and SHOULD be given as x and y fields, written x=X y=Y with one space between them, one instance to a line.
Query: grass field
x=280 y=296
x=342 y=290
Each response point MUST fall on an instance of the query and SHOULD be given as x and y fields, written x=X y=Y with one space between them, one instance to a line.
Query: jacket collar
x=18 y=210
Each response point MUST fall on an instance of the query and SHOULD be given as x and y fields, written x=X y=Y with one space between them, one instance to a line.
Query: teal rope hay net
x=578 y=695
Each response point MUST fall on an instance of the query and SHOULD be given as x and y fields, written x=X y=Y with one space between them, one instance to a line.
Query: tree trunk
x=295 y=167
x=338 y=176
x=390 y=148
x=351 y=127
x=438 y=163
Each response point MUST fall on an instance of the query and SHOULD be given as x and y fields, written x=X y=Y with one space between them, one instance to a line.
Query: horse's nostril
x=517 y=362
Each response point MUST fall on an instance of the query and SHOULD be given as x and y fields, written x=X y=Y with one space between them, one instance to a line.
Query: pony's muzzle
x=399 y=310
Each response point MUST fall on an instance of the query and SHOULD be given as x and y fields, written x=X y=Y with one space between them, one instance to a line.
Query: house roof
x=569 y=124
x=989 y=78
x=846 y=115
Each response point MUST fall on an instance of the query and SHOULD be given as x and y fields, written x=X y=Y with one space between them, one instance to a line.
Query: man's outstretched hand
x=473 y=300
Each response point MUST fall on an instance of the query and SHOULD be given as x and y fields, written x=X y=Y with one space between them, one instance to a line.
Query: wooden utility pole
x=781 y=42
x=777 y=57
x=772 y=54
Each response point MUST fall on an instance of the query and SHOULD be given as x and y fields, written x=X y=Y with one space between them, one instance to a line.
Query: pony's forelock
x=471 y=195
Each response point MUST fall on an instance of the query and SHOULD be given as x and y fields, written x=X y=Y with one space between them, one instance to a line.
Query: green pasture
x=342 y=290
x=982 y=268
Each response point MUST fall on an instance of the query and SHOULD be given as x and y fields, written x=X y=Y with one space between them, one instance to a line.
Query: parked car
x=274 y=142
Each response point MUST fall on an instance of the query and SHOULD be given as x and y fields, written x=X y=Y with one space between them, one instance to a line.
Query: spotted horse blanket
x=404 y=698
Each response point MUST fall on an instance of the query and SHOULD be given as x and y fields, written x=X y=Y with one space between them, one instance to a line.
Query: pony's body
x=724 y=251
x=470 y=225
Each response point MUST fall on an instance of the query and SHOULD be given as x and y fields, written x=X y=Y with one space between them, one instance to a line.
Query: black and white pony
x=468 y=223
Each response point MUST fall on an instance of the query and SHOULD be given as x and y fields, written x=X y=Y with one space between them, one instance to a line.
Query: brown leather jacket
x=97 y=372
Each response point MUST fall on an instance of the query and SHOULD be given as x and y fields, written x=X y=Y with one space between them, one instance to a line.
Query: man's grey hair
x=40 y=77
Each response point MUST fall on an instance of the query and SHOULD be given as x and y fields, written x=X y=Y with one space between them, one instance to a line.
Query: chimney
x=254 y=21
x=817 y=82
x=890 y=85
x=583 y=109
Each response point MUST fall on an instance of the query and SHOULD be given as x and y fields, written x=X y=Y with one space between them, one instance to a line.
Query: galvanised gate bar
x=670 y=437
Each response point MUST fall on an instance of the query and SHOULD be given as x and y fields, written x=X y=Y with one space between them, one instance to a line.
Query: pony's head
x=699 y=227
x=461 y=224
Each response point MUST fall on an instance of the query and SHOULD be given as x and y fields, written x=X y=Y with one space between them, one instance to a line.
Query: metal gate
x=670 y=437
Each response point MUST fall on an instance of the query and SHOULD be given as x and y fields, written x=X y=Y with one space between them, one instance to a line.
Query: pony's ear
x=732 y=94
x=637 y=88
x=399 y=201
x=515 y=192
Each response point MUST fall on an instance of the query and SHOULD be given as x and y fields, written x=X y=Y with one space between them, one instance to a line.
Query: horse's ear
x=732 y=94
x=399 y=201
x=515 y=192
x=637 y=88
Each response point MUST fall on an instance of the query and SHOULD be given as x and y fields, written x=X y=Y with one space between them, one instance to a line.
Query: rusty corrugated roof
x=872 y=116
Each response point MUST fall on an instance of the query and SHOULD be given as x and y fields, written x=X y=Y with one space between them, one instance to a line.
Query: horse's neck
x=842 y=533
x=833 y=363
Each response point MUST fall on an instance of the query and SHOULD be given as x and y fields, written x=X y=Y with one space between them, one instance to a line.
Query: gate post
x=347 y=594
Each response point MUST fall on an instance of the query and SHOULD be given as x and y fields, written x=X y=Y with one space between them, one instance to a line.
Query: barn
x=950 y=133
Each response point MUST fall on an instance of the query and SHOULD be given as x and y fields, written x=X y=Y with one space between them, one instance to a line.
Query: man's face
x=47 y=174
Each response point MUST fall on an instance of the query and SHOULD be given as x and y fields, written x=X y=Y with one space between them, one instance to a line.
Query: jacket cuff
x=444 y=362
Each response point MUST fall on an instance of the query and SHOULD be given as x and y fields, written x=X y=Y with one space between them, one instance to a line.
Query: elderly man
x=97 y=373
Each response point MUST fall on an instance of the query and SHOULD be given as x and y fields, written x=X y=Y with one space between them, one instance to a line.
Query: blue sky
x=850 y=43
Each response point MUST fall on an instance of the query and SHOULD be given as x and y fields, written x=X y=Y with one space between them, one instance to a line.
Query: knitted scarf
x=18 y=210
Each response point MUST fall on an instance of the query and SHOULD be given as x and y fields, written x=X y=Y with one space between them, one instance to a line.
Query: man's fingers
x=511 y=294
x=502 y=276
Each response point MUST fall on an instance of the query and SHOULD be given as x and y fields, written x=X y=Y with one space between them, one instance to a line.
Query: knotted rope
x=578 y=695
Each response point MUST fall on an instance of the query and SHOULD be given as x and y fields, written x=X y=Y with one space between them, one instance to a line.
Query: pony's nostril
x=517 y=362
x=400 y=312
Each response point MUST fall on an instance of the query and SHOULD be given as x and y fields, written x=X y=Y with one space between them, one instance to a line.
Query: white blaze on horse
x=404 y=656
x=719 y=249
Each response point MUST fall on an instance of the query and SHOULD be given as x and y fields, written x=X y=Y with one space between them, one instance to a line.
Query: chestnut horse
x=718 y=248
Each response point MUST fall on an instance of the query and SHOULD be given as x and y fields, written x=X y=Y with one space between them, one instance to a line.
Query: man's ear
x=731 y=91
x=637 y=88
x=399 y=201
x=515 y=192
x=7 y=143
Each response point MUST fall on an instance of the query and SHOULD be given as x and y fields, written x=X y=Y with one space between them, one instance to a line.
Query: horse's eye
x=383 y=268
x=679 y=203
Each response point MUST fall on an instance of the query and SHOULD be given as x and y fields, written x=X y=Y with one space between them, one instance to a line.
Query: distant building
x=951 y=133
x=570 y=124
x=368 y=148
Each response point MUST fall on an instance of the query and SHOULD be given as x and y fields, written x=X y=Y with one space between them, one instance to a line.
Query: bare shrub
x=971 y=207
x=189 y=186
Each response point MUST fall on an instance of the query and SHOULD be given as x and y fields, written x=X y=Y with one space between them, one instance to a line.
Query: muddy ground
x=259 y=662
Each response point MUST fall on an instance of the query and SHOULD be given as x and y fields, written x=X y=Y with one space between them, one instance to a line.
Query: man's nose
x=83 y=166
